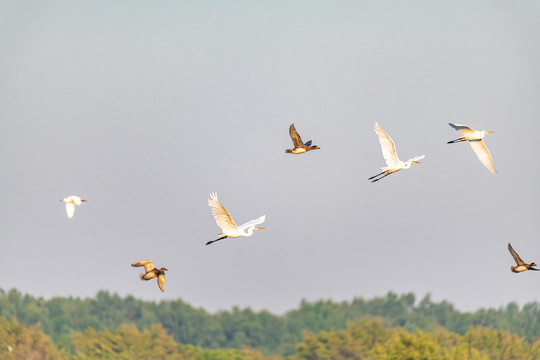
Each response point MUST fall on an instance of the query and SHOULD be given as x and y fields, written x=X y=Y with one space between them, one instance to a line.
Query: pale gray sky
x=145 y=107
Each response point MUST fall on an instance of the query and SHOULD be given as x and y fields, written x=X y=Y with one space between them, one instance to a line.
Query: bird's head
x=409 y=163
x=163 y=269
x=315 y=147
x=533 y=264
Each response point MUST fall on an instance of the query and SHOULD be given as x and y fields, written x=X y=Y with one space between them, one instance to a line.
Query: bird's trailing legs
x=384 y=174
x=213 y=241
x=457 y=140
x=374 y=176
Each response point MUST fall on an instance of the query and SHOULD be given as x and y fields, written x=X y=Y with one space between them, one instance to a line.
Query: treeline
x=363 y=340
x=371 y=340
x=263 y=331
x=18 y=342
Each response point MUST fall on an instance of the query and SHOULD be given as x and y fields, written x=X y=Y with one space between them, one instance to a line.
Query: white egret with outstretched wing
x=393 y=164
x=474 y=138
x=225 y=221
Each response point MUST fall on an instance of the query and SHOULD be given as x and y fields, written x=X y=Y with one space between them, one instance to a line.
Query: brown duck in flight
x=151 y=272
x=299 y=146
x=521 y=265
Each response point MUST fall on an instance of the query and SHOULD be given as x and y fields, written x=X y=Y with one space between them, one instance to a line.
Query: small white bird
x=390 y=156
x=475 y=140
x=227 y=224
x=71 y=201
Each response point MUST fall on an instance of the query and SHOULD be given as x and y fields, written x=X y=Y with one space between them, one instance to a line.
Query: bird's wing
x=464 y=129
x=387 y=146
x=483 y=154
x=161 y=282
x=148 y=265
x=254 y=222
x=70 y=209
x=516 y=257
x=76 y=200
x=296 y=139
x=222 y=216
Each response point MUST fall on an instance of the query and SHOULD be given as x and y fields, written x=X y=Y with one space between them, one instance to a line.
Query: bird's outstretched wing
x=483 y=154
x=148 y=265
x=221 y=215
x=464 y=129
x=296 y=139
x=161 y=282
x=387 y=146
x=516 y=257
x=254 y=222
x=70 y=209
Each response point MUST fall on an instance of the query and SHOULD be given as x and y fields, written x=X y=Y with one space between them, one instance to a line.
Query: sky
x=145 y=107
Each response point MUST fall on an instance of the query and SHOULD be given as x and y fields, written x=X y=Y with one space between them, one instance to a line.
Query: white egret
x=151 y=272
x=227 y=224
x=475 y=140
x=390 y=156
x=521 y=265
x=299 y=146
x=71 y=201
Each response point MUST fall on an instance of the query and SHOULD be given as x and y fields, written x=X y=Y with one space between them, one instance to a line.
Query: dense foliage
x=238 y=328
x=363 y=340
x=371 y=340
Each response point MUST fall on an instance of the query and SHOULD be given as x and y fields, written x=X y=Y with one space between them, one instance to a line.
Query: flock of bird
x=230 y=230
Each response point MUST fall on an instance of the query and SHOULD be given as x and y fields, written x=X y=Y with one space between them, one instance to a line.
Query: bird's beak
x=418 y=162
x=258 y=227
x=84 y=200
x=491 y=132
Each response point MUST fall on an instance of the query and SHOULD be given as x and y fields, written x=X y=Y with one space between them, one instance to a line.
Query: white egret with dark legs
x=226 y=222
x=390 y=156
x=475 y=140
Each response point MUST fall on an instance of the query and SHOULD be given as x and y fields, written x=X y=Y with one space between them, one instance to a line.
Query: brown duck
x=151 y=272
x=299 y=146
x=521 y=265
